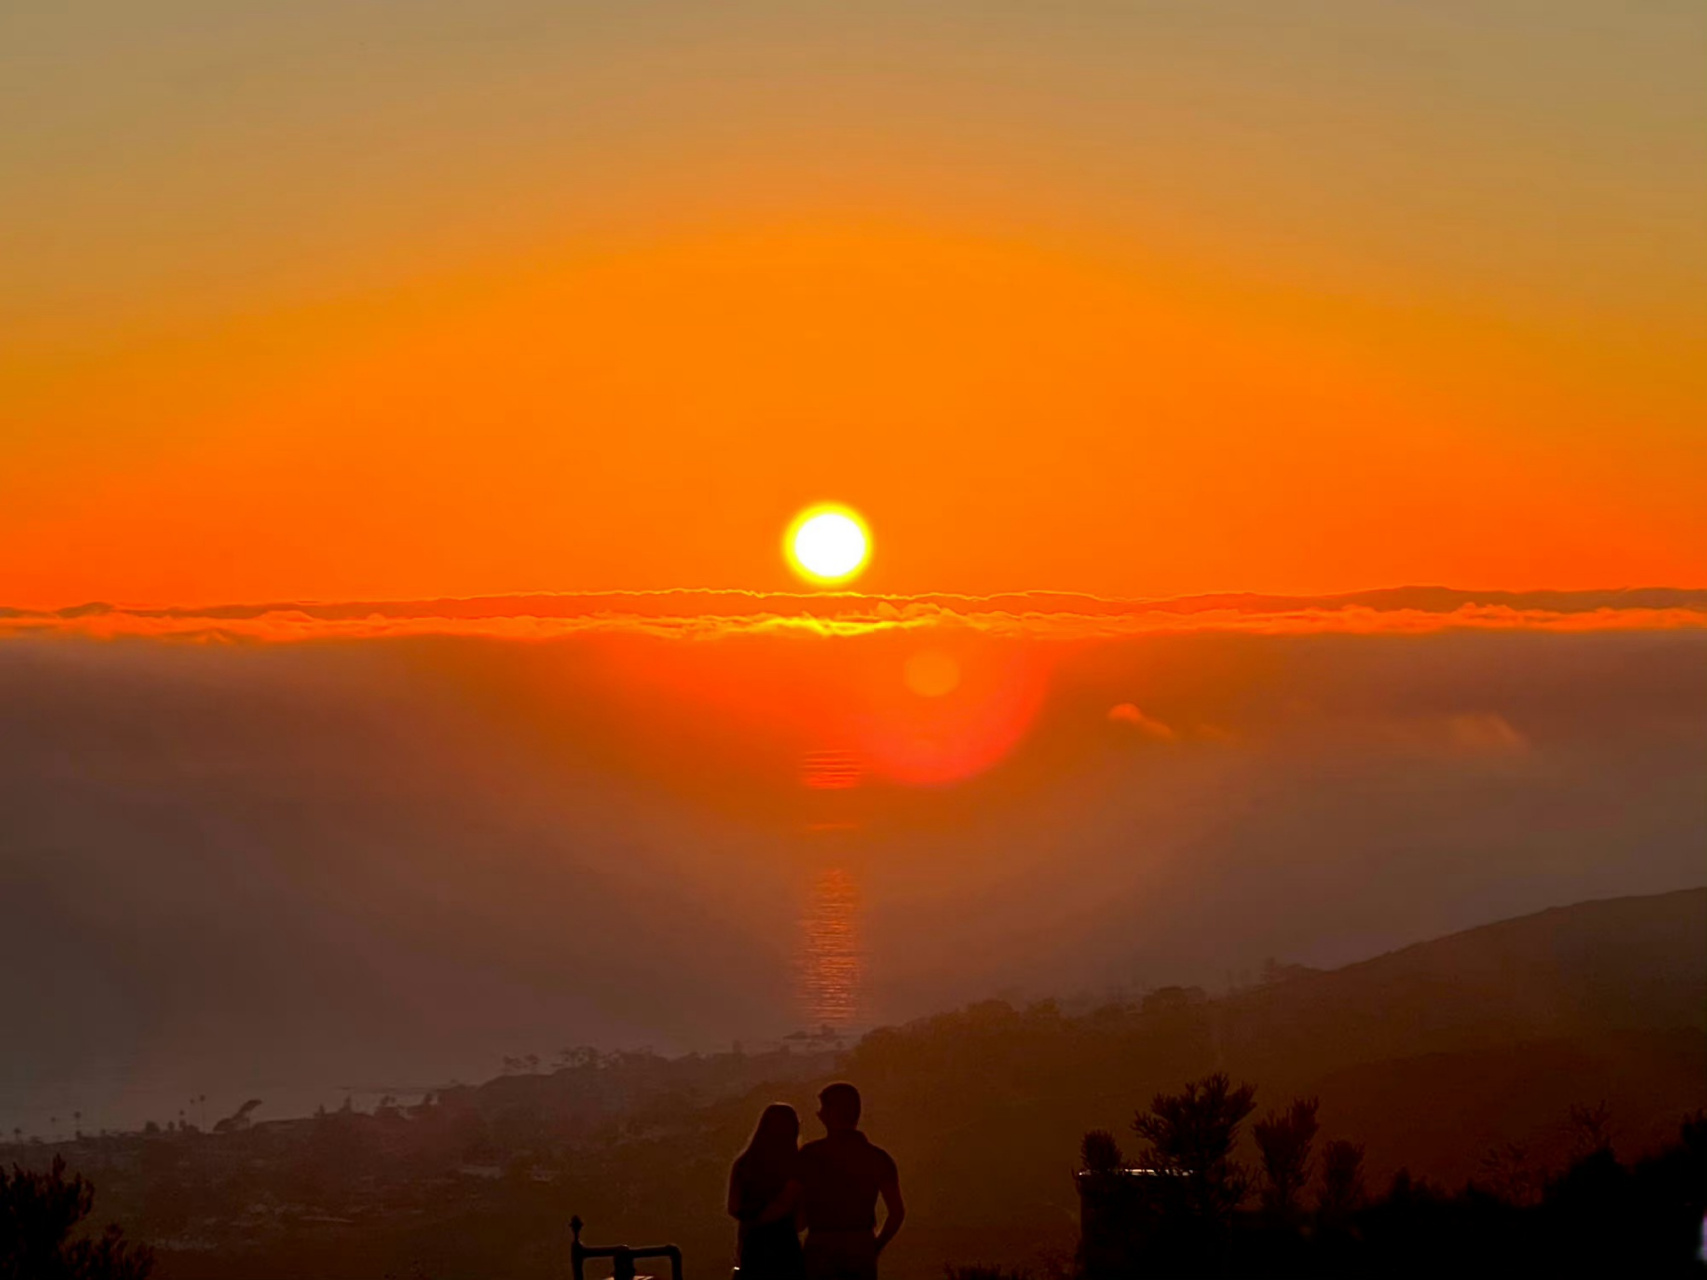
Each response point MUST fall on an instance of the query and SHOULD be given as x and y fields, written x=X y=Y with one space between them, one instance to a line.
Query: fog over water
x=289 y=870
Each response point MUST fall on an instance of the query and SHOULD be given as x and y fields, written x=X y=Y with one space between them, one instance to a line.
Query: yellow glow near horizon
x=828 y=545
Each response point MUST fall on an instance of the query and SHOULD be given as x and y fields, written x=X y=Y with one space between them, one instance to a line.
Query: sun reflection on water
x=832 y=962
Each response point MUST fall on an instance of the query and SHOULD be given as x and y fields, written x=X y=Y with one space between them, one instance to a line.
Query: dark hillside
x=1434 y=1056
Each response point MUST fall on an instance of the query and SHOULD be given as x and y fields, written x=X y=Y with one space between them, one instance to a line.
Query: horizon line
x=709 y=613
x=276 y=604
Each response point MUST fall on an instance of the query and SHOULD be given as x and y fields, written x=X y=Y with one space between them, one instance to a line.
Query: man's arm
x=894 y=1211
x=784 y=1206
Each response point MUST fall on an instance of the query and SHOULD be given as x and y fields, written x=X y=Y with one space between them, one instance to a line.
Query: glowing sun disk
x=828 y=544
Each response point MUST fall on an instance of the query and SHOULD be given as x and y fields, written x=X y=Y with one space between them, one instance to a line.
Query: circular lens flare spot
x=828 y=544
x=930 y=673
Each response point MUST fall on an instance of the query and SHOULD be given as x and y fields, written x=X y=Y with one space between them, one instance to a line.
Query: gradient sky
x=343 y=300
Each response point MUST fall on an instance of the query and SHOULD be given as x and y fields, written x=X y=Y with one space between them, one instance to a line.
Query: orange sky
x=1417 y=331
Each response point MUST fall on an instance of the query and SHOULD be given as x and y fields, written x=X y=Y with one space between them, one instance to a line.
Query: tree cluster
x=40 y=1214
x=1190 y=1207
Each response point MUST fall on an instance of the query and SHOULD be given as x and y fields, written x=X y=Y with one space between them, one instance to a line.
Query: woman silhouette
x=763 y=1196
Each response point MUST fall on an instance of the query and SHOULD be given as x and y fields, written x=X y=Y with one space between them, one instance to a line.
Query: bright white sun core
x=828 y=544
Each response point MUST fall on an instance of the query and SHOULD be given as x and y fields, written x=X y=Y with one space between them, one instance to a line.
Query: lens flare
x=828 y=545
x=931 y=673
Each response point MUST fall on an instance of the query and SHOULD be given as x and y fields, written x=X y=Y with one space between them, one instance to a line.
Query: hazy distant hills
x=1596 y=973
x=1445 y=1054
x=1590 y=969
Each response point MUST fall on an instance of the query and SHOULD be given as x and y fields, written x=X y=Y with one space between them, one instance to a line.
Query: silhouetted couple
x=829 y=1188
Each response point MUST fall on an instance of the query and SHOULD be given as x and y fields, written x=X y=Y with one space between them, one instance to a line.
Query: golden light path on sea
x=831 y=960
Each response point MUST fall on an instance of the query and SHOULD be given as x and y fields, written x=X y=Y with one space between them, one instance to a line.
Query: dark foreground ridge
x=1474 y=1057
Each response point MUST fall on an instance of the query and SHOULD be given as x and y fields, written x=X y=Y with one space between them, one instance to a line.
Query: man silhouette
x=841 y=1177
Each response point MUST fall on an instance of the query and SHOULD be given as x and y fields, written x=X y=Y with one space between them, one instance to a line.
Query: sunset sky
x=1280 y=428
x=375 y=301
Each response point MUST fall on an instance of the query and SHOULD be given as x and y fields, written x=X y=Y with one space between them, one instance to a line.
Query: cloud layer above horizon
x=1040 y=615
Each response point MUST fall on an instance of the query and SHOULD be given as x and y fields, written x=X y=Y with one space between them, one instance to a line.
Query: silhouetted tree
x=1591 y=1129
x=38 y=1214
x=1598 y=1216
x=1285 y=1138
x=1191 y=1136
x=1508 y=1172
x=1100 y=1152
x=1342 y=1181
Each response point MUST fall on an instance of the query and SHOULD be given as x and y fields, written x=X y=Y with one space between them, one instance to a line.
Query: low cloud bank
x=276 y=870
x=705 y=614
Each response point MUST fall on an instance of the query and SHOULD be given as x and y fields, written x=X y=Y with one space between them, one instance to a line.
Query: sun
x=828 y=544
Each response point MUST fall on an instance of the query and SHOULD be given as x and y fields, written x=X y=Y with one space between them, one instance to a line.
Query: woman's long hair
x=768 y=1160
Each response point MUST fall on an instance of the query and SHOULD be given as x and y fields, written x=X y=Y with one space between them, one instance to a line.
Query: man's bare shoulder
x=887 y=1172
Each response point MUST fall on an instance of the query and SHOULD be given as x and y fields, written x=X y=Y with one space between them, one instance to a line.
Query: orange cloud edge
x=705 y=614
